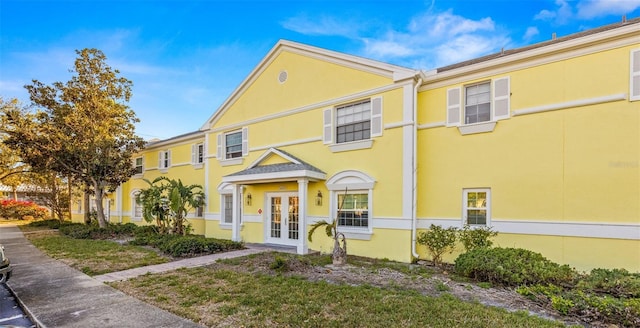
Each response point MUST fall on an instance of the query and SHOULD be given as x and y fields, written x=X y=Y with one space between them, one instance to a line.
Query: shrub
x=589 y=307
x=438 y=241
x=92 y=231
x=512 y=267
x=616 y=282
x=17 y=209
x=185 y=246
x=477 y=237
x=51 y=223
x=279 y=264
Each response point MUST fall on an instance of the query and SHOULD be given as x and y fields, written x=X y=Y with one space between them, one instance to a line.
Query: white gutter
x=414 y=191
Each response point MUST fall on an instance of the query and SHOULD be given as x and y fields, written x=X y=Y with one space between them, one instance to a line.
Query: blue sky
x=186 y=57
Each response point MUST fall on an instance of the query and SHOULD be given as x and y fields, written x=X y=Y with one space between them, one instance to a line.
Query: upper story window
x=352 y=126
x=477 y=104
x=197 y=154
x=232 y=146
x=353 y=122
x=476 y=206
x=139 y=165
x=164 y=159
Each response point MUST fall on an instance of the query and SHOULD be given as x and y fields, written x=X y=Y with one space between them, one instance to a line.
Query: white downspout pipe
x=414 y=191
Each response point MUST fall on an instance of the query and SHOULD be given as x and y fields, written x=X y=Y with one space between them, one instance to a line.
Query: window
x=138 y=165
x=355 y=210
x=197 y=154
x=227 y=209
x=353 y=122
x=164 y=159
x=233 y=145
x=358 y=121
x=484 y=102
x=352 y=195
x=137 y=209
x=477 y=206
x=477 y=104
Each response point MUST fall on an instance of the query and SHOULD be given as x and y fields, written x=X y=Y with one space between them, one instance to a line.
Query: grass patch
x=223 y=298
x=94 y=257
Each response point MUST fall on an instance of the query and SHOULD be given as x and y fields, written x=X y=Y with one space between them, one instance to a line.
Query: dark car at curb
x=5 y=267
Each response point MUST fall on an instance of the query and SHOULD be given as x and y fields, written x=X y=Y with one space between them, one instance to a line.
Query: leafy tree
x=168 y=201
x=82 y=129
x=339 y=253
x=11 y=166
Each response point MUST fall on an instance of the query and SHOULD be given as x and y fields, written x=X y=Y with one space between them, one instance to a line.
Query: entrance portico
x=285 y=214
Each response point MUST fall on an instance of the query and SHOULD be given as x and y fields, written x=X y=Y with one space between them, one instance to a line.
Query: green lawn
x=94 y=257
x=226 y=298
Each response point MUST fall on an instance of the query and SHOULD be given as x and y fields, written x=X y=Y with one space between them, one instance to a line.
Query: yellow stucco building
x=541 y=143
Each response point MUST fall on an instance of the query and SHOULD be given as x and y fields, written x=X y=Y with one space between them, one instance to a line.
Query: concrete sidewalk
x=55 y=295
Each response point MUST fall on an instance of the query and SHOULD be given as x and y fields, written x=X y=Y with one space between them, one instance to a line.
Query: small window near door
x=477 y=207
x=354 y=211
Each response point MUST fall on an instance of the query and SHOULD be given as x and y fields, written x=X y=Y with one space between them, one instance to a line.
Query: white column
x=303 y=247
x=235 y=212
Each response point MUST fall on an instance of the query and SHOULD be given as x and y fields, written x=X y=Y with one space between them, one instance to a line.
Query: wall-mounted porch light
x=319 y=198
x=249 y=201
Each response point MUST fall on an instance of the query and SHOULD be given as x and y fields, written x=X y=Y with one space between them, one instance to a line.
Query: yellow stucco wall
x=576 y=165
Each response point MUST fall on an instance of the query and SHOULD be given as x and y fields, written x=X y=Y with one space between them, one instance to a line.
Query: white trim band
x=570 y=104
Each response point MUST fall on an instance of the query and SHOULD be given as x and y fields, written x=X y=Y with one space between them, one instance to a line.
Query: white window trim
x=195 y=152
x=353 y=145
x=376 y=126
x=161 y=160
x=634 y=54
x=355 y=182
x=456 y=104
x=464 y=206
x=138 y=175
x=221 y=151
x=226 y=189
x=132 y=196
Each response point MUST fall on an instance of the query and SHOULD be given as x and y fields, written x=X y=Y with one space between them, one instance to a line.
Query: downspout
x=414 y=191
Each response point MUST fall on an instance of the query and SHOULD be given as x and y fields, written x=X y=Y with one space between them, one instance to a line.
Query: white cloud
x=561 y=15
x=598 y=8
x=422 y=37
x=531 y=32
x=324 y=25
x=437 y=39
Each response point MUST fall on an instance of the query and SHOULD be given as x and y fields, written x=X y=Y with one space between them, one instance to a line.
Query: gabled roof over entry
x=290 y=168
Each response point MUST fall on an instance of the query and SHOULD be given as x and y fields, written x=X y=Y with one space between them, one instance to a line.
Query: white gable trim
x=269 y=152
x=396 y=73
x=352 y=178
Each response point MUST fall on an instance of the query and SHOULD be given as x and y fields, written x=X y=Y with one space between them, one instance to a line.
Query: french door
x=283 y=221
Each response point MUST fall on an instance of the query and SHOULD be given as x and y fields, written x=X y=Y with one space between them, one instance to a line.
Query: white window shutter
x=453 y=106
x=219 y=148
x=328 y=126
x=168 y=158
x=376 y=117
x=245 y=141
x=160 y=153
x=501 y=98
x=194 y=153
x=634 y=83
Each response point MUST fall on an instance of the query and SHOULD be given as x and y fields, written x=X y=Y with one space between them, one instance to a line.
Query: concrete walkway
x=55 y=295
x=186 y=263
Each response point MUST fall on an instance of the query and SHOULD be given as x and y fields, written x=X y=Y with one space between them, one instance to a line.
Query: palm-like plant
x=168 y=201
x=339 y=254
